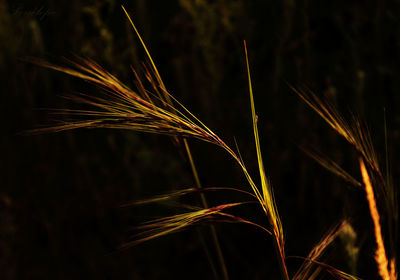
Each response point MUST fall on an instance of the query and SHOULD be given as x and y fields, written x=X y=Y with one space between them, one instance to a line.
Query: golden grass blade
x=380 y=253
x=267 y=194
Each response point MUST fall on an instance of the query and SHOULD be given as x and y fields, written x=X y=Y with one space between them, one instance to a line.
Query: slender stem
x=281 y=259
x=205 y=205
x=195 y=174
x=194 y=170
x=266 y=196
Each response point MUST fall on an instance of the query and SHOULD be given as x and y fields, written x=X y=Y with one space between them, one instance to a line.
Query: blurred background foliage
x=60 y=194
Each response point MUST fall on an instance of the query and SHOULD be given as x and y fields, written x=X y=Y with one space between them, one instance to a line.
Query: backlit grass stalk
x=188 y=152
x=205 y=205
x=380 y=253
x=267 y=200
x=123 y=108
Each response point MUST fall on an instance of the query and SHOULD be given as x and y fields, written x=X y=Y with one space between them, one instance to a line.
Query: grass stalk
x=267 y=199
x=205 y=205
x=188 y=152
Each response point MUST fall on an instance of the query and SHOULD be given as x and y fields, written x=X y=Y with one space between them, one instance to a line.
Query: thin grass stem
x=188 y=152
x=267 y=199
x=205 y=205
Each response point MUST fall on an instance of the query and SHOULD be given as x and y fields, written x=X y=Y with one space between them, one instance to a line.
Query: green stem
x=205 y=205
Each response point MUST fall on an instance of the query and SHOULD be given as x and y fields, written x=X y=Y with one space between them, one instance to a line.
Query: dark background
x=60 y=194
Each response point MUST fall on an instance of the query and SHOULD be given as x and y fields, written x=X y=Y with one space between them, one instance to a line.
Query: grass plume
x=380 y=253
